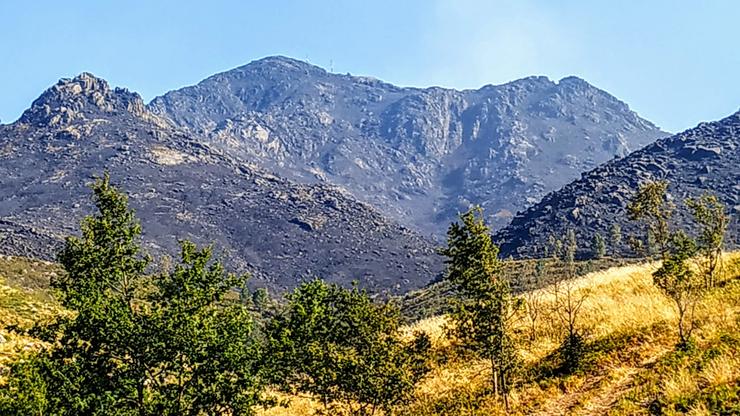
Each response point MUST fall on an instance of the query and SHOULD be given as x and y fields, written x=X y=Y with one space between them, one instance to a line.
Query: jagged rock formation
x=278 y=230
x=420 y=155
x=702 y=159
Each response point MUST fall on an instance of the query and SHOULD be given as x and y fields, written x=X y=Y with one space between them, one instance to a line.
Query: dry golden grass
x=679 y=385
x=23 y=301
x=621 y=301
x=720 y=370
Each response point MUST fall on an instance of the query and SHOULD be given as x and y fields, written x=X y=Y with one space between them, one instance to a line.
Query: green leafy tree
x=25 y=391
x=651 y=206
x=615 y=238
x=207 y=356
x=598 y=247
x=137 y=343
x=484 y=309
x=709 y=213
x=344 y=349
x=554 y=247
x=677 y=281
x=261 y=299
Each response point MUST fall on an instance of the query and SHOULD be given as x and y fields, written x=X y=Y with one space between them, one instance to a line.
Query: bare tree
x=534 y=302
x=567 y=307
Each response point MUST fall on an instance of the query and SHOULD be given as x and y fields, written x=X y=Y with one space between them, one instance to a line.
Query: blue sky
x=675 y=62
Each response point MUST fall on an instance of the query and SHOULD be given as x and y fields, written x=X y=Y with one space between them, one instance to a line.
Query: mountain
x=419 y=155
x=699 y=160
x=276 y=229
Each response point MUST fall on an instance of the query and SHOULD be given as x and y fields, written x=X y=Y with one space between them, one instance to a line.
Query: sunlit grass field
x=631 y=368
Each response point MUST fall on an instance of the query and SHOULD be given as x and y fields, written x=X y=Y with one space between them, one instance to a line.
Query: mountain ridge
x=698 y=160
x=277 y=230
x=418 y=154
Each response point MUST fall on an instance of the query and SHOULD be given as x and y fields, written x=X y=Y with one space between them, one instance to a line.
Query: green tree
x=677 y=281
x=137 y=343
x=25 y=391
x=206 y=357
x=651 y=206
x=569 y=250
x=598 y=247
x=484 y=309
x=709 y=213
x=261 y=299
x=615 y=238
x=344 y=349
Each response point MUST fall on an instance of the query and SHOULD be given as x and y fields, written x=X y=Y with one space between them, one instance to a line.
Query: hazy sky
x=674 y=62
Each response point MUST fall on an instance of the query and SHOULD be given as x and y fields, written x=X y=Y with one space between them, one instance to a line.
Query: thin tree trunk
x=140 y=393
x=681 y=312
x=505 y=392
x=494 y=376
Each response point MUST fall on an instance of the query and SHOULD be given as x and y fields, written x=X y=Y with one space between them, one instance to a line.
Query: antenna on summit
x=331 y=65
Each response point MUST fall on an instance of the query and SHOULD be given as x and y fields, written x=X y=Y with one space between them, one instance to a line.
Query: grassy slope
x=24 y=299
x=632 y=369
x=431 y=300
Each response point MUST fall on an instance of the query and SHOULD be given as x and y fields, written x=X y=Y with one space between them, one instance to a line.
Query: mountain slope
x=278 y=230
x=702 y=159
x=420 y=155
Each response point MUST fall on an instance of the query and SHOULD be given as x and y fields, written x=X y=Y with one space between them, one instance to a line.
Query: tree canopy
x=138 y=343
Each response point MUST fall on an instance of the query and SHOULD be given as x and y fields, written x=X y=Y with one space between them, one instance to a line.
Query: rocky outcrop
x=699 y=160
x=181 y=188
x=83 y=98
x=419 y=155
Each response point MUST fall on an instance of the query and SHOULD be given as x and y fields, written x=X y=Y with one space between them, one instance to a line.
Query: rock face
x=702 y=159
x=419 y=155
x=279 y=230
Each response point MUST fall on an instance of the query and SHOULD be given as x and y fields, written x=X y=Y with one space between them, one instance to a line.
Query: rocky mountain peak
x=419 y=154
x=535 y=82
x=275 y=229
x=82 y=97
x=285 y=62
x=272 y=69
x=576 y=82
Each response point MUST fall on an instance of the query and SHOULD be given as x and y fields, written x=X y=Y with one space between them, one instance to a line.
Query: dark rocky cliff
x=276 y=229
x=699 y=160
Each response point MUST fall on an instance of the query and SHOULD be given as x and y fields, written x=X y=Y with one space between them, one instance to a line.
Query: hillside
x=699 y=160
x=276 y=229
x=420 y=155
x=24 y=299
x=632 y=367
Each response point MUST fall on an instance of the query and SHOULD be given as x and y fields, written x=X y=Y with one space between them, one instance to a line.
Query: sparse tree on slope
x=677 y=281
x=534 y=303
x=568 y=303
x=651 y=206
x=615 y=238
x=598 y=247
x=709 y=213
x=484 y=310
